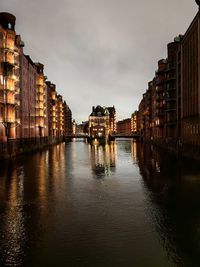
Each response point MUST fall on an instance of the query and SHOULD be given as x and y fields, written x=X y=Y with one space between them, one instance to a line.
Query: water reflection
x=134 y=151
x=172 y=191
x=54 y=213
x=103 y=159
x=12 y=222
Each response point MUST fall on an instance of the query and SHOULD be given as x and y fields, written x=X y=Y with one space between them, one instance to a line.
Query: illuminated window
x=1 y=79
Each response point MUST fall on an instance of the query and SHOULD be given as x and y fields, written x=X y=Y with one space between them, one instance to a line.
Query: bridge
x=121 y=135
x=84 y=136
x=78 y=136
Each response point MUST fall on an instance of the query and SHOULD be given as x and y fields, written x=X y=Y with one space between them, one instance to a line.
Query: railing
x=17 y=102
x=17 y=90
x=9 y=120
x=10 y=101
x=9 y=88
x=77 y=136
x=125 y=135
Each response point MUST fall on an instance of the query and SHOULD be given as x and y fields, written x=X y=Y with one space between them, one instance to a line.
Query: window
x=1 y=113
x=1 y=79
x=9 y=26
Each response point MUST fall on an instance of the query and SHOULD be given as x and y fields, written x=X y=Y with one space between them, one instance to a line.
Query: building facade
x=99 y=122
x=41 y=98
x=124 y=127
x=190 y=48
x=113 y=126
x=9 y=78
x=30 y=107
x=169 y=111
x=28 y=74
x=102 y=122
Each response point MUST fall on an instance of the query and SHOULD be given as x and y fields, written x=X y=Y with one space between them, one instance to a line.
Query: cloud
x=100 y=52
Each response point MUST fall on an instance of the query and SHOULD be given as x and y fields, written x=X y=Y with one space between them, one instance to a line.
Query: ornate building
x=102 y=122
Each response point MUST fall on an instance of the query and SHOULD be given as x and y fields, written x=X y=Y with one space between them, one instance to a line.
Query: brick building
x=28 y=73
x=9 y=77
x=124 y=126
x=170 y=108
x=29 y=106
x=41 y=98
x=190 y=47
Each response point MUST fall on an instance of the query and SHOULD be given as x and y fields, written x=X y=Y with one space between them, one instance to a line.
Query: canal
x=123 y=204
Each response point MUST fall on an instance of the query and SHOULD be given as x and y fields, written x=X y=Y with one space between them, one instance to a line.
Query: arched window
x=9 y=26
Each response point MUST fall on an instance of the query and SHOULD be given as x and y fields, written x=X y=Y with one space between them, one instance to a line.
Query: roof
x=99 y=111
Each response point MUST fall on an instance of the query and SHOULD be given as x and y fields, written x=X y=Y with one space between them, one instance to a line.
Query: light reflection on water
x=122 y=204
x=103 y=159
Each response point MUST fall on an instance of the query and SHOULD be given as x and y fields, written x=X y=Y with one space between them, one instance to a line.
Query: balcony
x=16 y=51
x=40 y=99
x=171 y=88
x=159 y=106
x=40 y=115
x=40 y=107
x=160 y=82
x=10 y=101
x=10 y=60
x=9 y=120
x=16 y=65
x=17 y=90
x=17 y=102
x=170 y=99
x=159 y=113
x=10 y=88
x=40 y=82
x=170 y=68
x=170 y=108
x=172 y=123
x=9 y=49
x=40 y=89
x=15 y=78
x=171 y=77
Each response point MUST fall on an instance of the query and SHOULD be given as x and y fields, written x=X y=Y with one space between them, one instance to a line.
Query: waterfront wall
x=176 y=147
x=169 y=112
x=17 y=147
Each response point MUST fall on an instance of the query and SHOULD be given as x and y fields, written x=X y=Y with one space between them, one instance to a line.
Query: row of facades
x=29 y=104
x=170 y=108
x=128 y=126
x=102 y=122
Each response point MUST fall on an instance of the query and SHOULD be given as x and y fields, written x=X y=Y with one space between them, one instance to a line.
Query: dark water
x=123 y=204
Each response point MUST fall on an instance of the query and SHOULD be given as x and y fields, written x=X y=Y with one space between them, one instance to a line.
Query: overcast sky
x=100 y=51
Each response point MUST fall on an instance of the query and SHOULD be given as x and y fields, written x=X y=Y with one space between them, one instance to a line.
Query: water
x=123 y=204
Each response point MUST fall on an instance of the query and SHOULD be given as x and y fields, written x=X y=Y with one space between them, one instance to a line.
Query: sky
x=99 y=52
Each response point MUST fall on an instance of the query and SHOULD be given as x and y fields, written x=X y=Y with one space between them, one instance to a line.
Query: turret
x=7 y=21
